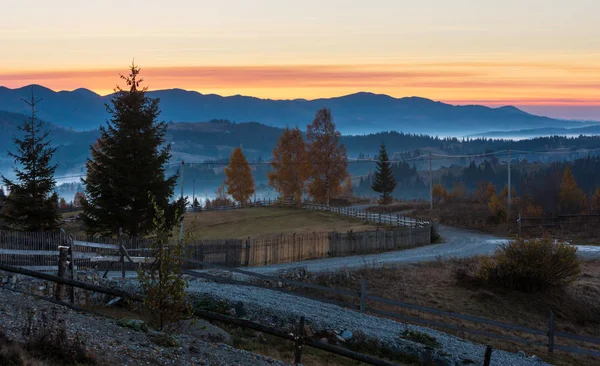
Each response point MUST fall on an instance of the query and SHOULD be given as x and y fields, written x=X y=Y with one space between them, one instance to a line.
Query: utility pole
x=508 y=214
x=430 y=186
x=181 y=225
x=194 y=196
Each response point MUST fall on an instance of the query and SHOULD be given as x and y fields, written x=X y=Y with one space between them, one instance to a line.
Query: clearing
x=267 y=221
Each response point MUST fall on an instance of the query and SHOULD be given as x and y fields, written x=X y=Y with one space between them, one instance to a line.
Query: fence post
x=72 y=267
x=62 y=268
x=488 y=356
x=551 y=333
x=248 y=252
x=299 y=342
x=380 y=218
x=122 y=260
x=363 y=295
x=398 y=220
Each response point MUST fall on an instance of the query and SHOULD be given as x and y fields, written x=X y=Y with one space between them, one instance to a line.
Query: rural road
x=456 y=243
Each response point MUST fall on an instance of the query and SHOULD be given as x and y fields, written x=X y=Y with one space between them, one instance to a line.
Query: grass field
x=265 y=221
x=253 y=222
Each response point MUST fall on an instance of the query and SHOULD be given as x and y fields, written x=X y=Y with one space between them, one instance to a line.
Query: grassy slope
x=253 y=222
x=257 y=222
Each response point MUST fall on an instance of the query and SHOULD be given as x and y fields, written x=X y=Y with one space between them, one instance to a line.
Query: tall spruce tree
x=384 y=182
x=127 y=167
x=32 y=203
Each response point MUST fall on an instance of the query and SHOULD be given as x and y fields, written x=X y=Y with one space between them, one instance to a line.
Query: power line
x=373 y=160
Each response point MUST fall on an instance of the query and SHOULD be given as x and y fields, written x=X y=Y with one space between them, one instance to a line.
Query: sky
x=542 y=56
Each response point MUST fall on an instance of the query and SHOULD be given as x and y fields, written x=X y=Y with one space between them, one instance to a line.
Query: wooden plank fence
x=41 y=252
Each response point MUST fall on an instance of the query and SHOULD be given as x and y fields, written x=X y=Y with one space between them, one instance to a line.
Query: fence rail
x=363 y=296
x=41 y=251
x=385 y=219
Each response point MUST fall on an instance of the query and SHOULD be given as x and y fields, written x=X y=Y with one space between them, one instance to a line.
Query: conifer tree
x=384 y=182
x=127 y=167
x=32 y=203
x=240 y=183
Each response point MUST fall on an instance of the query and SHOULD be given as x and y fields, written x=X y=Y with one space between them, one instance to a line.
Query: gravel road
x=286 y=309
x=457 y=243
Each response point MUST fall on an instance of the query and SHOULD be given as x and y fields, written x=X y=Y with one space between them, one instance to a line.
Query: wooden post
x=488 y=356
x=248 y=251
x=299 y=343
x=72 y=267
x=63 y=253
x=380 y=218
x=122 y=254
x=363 y=295
x=551 y=333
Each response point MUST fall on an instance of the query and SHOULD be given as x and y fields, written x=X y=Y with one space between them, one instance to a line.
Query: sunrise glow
x=535 y=54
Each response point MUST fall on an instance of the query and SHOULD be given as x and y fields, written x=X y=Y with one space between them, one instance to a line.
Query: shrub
x=532 y=210
x=497 y=211
x=46 y=337
x=527 y=265
x=439 y=193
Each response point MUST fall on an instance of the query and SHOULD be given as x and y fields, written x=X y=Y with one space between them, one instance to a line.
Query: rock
x=307 y=331
x=347 y=335
x=135 y=324
x=240 y=312
x=204 y=330
x=535 y=358
x=324 y=340
x=113 y=301
x=340 y=339
x=521 y=354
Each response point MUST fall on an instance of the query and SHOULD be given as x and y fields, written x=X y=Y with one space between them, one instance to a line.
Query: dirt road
x=456 y=243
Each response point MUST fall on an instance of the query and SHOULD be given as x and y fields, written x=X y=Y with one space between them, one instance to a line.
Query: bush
x=524 y=265
x=46 y=337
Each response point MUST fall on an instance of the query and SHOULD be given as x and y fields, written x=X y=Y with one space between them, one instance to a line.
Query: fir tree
x=384 y=182
x=127 y=167
x=32 y=203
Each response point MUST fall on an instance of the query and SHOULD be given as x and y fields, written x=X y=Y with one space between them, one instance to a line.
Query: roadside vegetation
x=520 y=284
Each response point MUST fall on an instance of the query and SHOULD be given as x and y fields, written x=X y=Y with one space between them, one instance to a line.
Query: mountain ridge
x=357 y=113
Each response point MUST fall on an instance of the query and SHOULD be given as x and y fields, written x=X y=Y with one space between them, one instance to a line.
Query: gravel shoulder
x=281 y=308
x=125 y=346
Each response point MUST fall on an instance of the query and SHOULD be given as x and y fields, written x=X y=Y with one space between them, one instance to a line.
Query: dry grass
x=260 y=222
x=433 y=285
x=468 y=215
x=398 y=207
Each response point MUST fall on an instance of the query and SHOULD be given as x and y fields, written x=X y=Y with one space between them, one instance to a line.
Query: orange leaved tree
x=572 y=198
x=327 y=157
x=290 y=165
x=240 y=183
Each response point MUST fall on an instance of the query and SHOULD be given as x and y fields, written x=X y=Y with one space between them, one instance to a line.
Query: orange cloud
x=461 y=82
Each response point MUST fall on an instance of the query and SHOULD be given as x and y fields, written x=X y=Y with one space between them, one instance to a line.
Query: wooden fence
x=351 y=212
x=40 y=251
x=364 y=303
x=578 y=221
x=379 y=218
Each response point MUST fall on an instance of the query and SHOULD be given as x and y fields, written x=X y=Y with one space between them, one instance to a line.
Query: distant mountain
x=354 y=114
x=545 y=131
